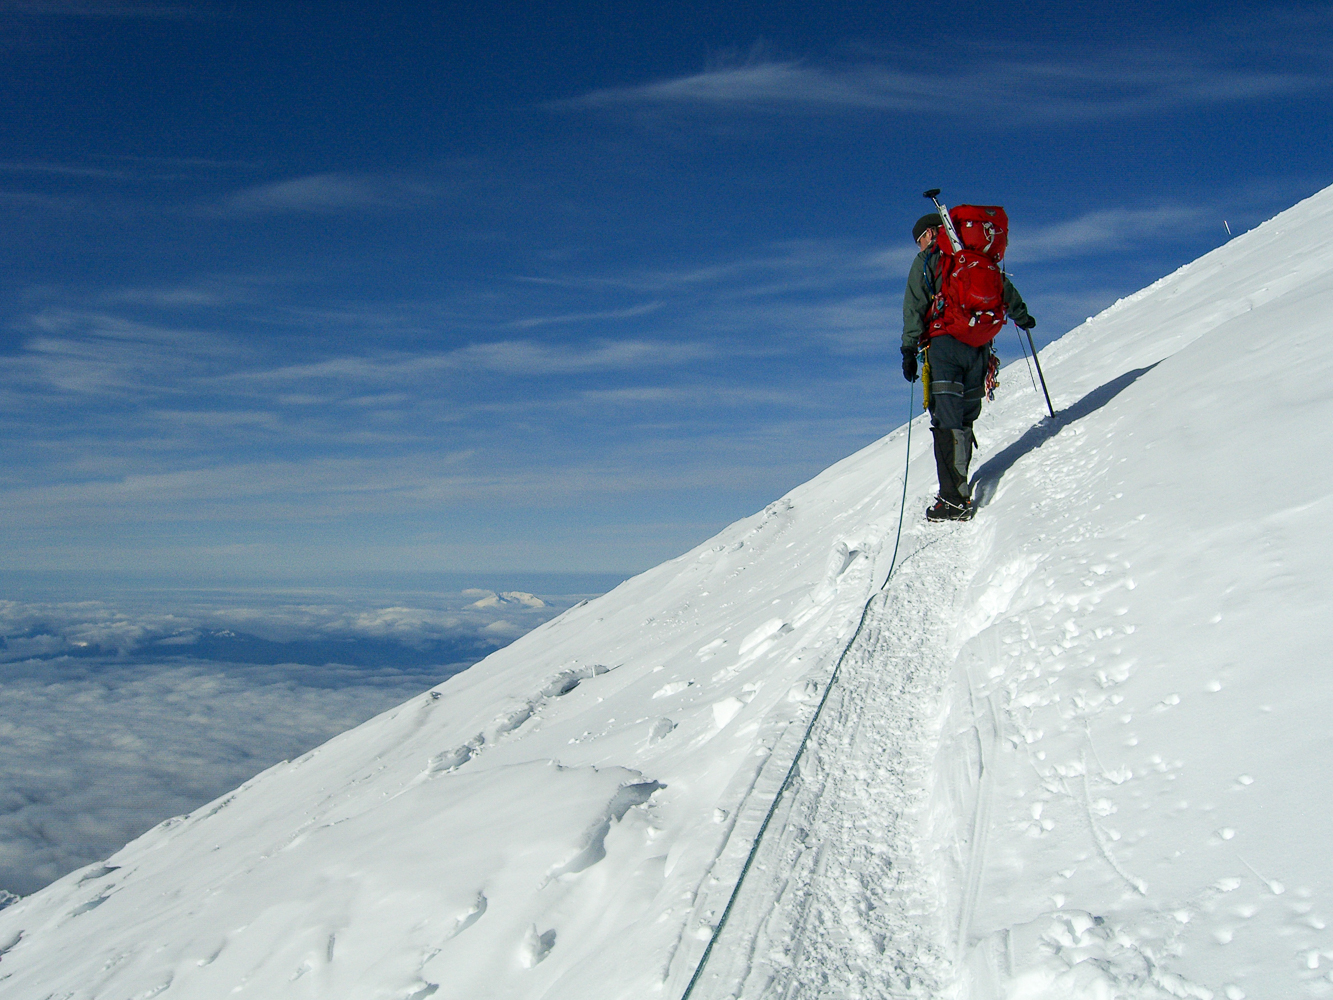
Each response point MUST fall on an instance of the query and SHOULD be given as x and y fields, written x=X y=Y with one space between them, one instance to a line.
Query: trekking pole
x=1039 y=374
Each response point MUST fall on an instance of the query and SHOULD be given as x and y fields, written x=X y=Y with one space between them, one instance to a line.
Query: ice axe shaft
x=1039 y=374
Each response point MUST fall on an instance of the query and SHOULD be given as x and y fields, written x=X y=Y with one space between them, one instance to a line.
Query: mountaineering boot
x=950 y=510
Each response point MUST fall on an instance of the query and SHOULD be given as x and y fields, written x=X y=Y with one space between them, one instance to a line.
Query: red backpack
x=969 y=303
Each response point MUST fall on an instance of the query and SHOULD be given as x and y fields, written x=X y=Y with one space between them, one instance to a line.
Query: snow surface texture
x=1077 y=748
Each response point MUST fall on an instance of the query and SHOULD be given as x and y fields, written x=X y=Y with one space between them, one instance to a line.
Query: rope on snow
x=809 y=730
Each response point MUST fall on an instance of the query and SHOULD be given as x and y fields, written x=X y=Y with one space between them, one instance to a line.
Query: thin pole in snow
x=1039 y=374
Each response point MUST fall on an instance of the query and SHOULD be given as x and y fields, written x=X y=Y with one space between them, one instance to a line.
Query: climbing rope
x=809 y=729
x=902 y=506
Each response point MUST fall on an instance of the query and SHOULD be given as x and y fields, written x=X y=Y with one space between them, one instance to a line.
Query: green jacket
x=920 y=292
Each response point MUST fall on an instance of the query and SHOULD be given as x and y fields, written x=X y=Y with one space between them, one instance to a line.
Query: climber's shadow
x=989 y=475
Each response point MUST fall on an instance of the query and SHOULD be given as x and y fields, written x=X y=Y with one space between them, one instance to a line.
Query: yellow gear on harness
x=925 y=380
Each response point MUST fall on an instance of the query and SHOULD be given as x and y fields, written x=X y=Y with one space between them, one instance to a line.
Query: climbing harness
x=809 y=729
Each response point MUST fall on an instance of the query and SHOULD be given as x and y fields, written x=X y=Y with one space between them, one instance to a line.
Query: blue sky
x=302 y=291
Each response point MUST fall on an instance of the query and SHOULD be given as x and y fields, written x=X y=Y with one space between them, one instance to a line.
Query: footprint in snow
x=535 y=946
x=466 y=920
x=556 y=686
x=594 y=845
x=507 y=722
x=570 y=678
x=452 y=760
x=92 y=904
x=101 y=871
x=661 y=728
x=13 y=940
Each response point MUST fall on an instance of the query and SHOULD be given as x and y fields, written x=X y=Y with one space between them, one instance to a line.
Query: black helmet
x=931 y=221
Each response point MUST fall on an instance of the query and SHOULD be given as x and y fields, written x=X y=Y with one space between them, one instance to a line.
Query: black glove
x=1025 y=324
x=909 y=364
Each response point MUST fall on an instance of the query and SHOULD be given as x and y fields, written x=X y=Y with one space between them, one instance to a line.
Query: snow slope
x=1076 y=748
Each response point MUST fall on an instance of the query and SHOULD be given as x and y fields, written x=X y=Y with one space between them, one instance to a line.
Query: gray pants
x=957 y=385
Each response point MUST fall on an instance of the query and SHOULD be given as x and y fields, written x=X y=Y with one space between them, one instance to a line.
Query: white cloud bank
x=117 y=714
x=92 y=759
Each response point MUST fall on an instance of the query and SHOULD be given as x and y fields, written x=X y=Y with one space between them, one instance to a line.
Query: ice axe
x=934 y=195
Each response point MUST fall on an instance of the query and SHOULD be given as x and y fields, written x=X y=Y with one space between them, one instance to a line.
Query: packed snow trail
x=1079 y=749
x=850 y=907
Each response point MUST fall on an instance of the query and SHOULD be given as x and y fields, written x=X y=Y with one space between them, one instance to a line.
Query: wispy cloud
x=327 y=492
x=779 y=268
x=319 y=193
x=64 y=170
x=1036 y=91
x=506 y=357
x=180 y=297
x=159 y=741
x=780 y=83
x=700 y=397
x=101 y=353
x=587 y=317
x=312 y=490
x=1107 y=230
x=131 y=169
x=855 y=324
x=529 y=357
x=121 y=9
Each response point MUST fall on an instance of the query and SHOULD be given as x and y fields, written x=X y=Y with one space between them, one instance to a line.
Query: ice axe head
x=932 y=194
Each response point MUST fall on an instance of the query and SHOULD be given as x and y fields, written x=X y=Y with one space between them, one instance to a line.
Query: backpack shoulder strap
x=931 y=261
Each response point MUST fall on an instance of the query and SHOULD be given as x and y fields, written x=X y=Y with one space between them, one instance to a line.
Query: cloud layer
x=115 y=715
